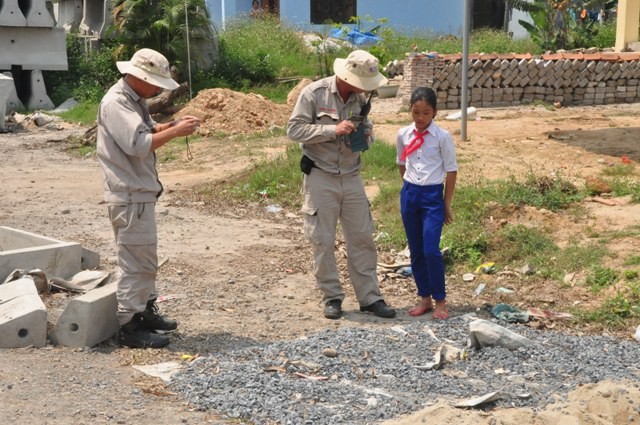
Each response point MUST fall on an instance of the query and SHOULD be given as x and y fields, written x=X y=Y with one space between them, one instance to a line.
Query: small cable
x=189 y=154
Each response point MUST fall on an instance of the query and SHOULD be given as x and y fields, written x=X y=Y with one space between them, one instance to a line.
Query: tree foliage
x=556 y=24
x=162 y=25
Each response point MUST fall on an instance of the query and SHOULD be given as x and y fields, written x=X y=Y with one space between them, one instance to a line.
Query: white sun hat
x=150 y=66
x=360 y=69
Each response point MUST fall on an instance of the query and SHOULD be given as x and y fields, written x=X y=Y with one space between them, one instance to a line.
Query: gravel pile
x=358 y=376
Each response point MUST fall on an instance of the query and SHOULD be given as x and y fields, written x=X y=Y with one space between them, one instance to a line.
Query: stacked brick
x=507 y=80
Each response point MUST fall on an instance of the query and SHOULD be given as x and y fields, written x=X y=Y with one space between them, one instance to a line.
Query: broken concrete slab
x=6 y=85
x=23 y=316
x=483 y=333
x=24 y=250
x=88 y=319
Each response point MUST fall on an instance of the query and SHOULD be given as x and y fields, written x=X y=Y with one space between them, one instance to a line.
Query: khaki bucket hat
x=150 y=66
x=360 y=69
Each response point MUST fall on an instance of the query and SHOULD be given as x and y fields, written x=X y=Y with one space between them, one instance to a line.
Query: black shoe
x=135 y=335
x=333 y=309
x=152 y=320
x=380 y=309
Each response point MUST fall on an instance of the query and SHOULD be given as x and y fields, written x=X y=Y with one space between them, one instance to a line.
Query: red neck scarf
x=414 y=145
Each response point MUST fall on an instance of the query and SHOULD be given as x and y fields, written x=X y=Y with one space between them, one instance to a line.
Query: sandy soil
x=236 y=275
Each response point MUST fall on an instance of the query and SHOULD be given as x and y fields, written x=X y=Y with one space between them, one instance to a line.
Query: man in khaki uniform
x=126 y=143
x=333 y=188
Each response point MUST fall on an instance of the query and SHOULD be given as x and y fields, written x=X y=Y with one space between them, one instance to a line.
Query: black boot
x=135 y=335
x=152 y=320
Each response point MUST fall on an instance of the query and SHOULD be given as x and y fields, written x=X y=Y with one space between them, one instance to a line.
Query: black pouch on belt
x=306 y=164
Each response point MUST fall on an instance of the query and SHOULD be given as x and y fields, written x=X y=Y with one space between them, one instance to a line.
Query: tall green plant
x=162 y=26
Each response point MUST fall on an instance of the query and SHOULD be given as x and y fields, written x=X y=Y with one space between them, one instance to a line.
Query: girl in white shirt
x=427 y=160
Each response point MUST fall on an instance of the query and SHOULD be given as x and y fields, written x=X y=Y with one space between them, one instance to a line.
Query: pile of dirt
x=231 y=112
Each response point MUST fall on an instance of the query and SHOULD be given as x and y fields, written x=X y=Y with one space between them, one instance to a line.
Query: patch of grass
x=600 y=278
x=620 y=170
x=277 y=181
x=624 y=186
x=573 y=258
x=616 y=312
x=552 y=193
x=84 y=113
x=634 y=260
x=466 y=236
x=520 y=243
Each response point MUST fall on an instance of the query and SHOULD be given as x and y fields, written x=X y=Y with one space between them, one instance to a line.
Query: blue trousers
x=422 y=210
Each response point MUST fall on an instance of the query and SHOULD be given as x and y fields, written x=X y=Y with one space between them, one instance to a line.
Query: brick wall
x=506 y=80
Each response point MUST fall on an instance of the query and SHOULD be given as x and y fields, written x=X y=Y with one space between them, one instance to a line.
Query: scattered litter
x=36 y=275
x=486 y=268
x=637 y=335
x=405 y=271
x=430 y=332
x=487 y=398
x=480 y=288
x=509 y=314
x=164 y=371
x=468 y=277
x=169 y=297
x=310 y=377
x=400 y=330
x=527 y=270
x=381 y=235
x=90 y=279
x=274 y=208
x=505 y=290
x=548 y=315
x=445 y=354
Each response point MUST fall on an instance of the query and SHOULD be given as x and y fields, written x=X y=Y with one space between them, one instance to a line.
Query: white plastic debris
x=472 y=114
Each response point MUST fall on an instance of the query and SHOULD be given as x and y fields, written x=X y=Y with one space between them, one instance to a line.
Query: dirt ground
x=236 y=275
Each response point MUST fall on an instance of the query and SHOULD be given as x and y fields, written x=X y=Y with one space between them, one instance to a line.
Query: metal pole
x=465 y=70
x=186 y=20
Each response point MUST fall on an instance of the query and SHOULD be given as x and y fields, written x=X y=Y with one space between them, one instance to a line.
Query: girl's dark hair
x=424 y=93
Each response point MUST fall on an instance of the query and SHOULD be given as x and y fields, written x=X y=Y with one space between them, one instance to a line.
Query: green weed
x=600 y=278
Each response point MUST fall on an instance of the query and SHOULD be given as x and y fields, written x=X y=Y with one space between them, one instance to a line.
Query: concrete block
x=23 y=316
x=40 y=14
x=13 y=102
x=33 y=48
x=90 y=259
x=69 y=14
x=24 y=250
x=96 y=18
x=11 y=15
x=88 y=319
x=38 y=98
